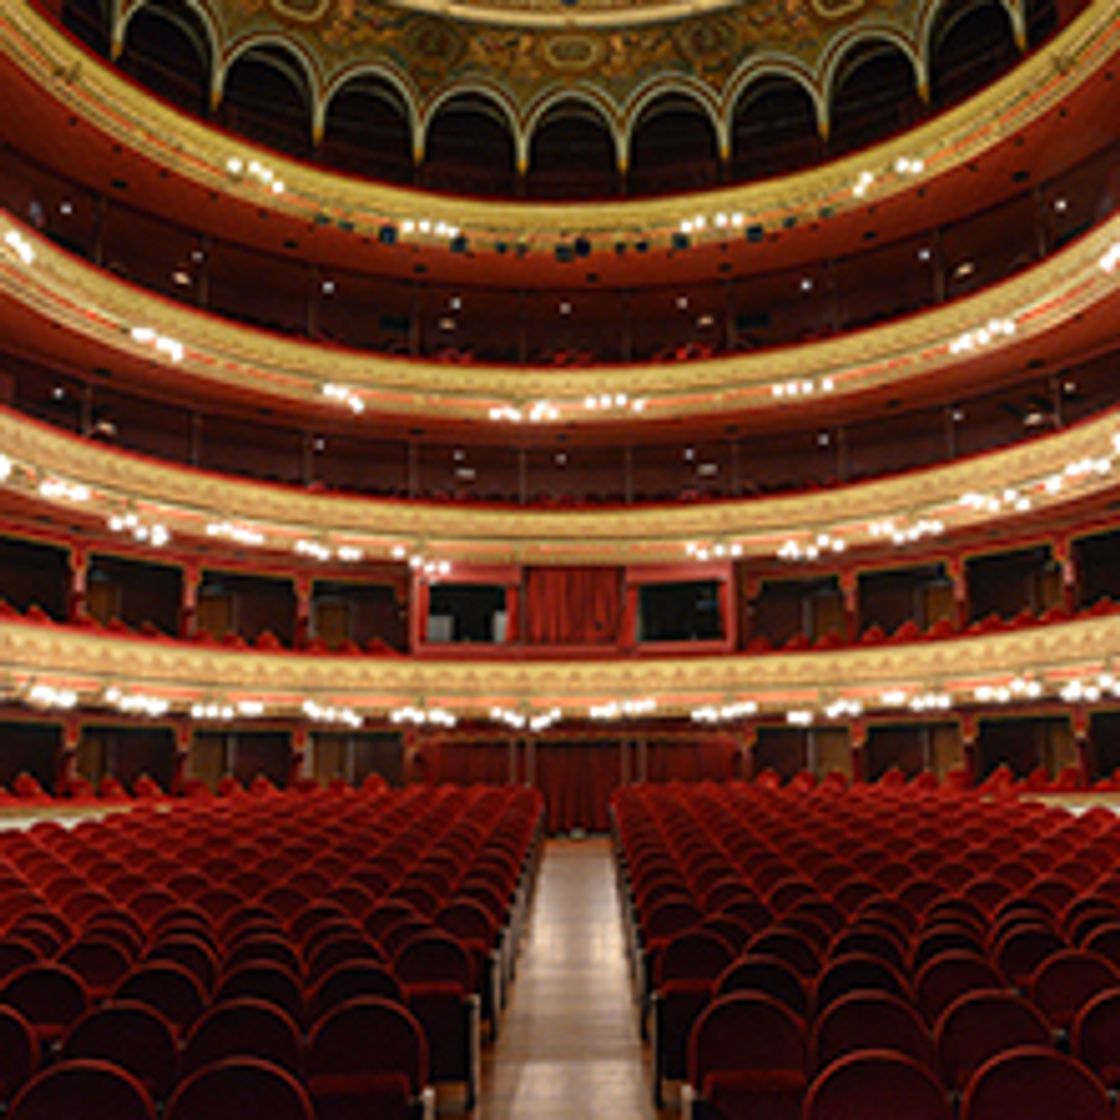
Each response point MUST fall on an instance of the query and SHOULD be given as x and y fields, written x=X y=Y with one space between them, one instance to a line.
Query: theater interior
x=559 y=559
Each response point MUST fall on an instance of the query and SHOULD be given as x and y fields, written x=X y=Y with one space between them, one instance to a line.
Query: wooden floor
x=569 y=1047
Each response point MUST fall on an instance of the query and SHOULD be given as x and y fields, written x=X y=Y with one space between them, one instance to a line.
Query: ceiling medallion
x=573 y=53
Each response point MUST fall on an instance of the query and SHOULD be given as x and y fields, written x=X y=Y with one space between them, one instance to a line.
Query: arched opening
x=88 y=20
x=267 y=99
x=774 y=130
x=875 y=95
x=572 y=154
x=166 y=49
x=1045 y=16
x=972 y=44
x=367 y=131
x=470 y=148
x=673 y=147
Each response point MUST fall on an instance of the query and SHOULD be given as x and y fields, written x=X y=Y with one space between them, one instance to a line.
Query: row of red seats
x=908 y=631
x=794 y=894
x=318 y=908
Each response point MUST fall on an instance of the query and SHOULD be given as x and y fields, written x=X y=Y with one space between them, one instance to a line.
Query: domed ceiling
x=617 y=56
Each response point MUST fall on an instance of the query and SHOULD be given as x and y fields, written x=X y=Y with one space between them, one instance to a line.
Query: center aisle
x=569 y=1046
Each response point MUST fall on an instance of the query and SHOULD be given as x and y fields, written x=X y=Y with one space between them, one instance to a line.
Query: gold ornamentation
x=781 y=680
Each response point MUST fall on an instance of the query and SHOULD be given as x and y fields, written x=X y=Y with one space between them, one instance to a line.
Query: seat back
x=267 y=981
x=92 y=1090
x=49 y=996
x=244 y=1028
x=369 y=1035
x=19 y=1051
x=1067 y=980
x=236 y=1088
x=869 y=1020
x=946 y=978
x=876 y=1085
x=856 y=972
x=434 y=958
x=1034 y=1083
x=170 y=988
x=745 y=1031
x=979 y=1025
x=349 y=981
x=693 y=955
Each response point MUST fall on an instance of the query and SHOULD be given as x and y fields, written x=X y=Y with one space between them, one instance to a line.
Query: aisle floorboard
x=569 y=1048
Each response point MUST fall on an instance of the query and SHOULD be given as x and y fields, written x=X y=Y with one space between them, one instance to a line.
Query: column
x=750 y=589
x=302 y=761
x=1064 y=556
x=530 y=760
x=79 y=577
x=67 y=757
x=303 y=588
x=181 y=762
x=857 y=745
x=956 y=571
x=747 y=743
x=1083 y=738
x=418 y=620
x=512 y=749
x=628 y=638
x=849 y=586
x=188 y=605
x=412 y=762
x=728 y=608
x=970 y=751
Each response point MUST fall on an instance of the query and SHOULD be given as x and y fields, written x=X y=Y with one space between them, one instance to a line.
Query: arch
x=774 y=125
x=971 y=43
x=571 y=149
x=90 y=22
x=369 y=126
x=158 y=42
x=268 y=92
x=686 y=153
x=874 y=91
x=469 y=141
x=1041 y=19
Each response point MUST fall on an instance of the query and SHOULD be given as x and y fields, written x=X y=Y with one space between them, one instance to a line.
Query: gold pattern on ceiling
x=615 y=51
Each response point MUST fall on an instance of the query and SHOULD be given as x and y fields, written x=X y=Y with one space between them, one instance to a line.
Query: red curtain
x=577 y=780
x=572 y=606
x=709 y=759
x=466 y=763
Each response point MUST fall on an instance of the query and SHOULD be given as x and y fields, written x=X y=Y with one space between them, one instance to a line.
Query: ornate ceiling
x=615 y=55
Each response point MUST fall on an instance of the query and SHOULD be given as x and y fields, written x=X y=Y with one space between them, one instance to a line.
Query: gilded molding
x=189 y=148
x=185 y=673
x=93 y=304
x=185 y=500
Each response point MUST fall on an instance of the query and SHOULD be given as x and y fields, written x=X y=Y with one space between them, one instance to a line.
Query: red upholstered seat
x=867 y=1020
x=366 y=1058
x=49 y=996
x=132 y=1036
x=91 y=1090
x=236 y=1088
x=979 y=1025
x=1095 y=1037
x=1034 y=1083
x=949 y=976
x=747 y=1056
x=877 y=1085
x=244 y=1028
x=1067 y=980
x=19 y=1051
x=170 y=988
